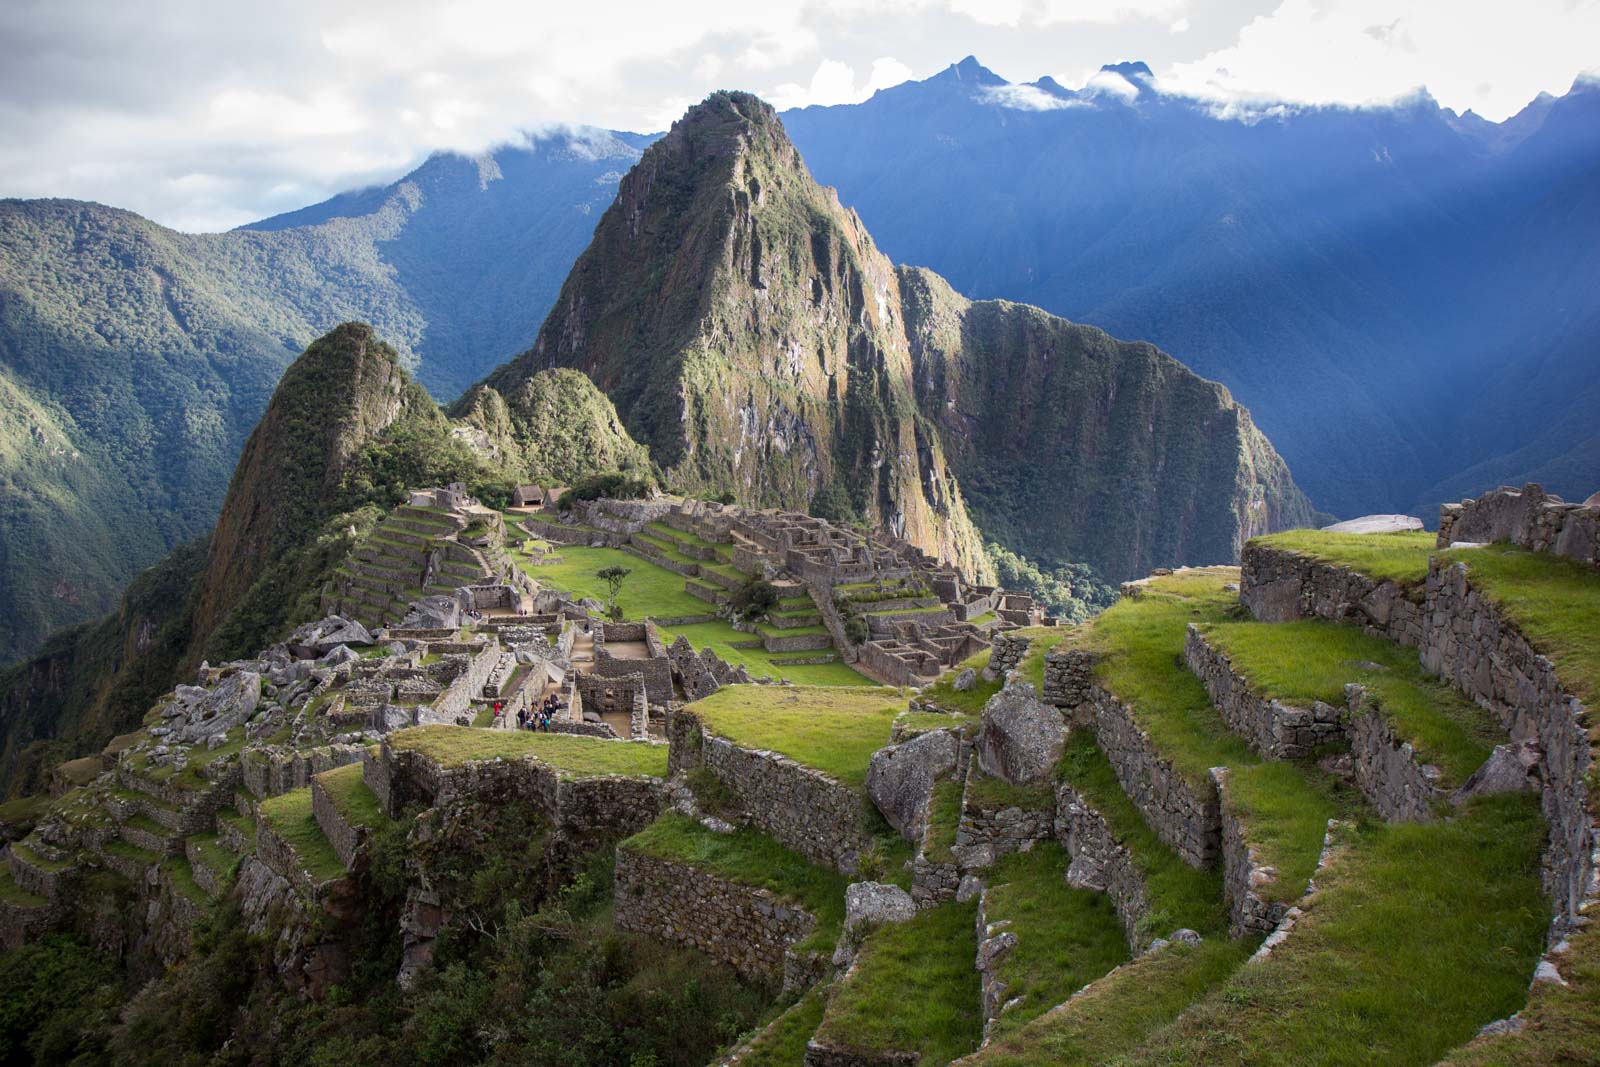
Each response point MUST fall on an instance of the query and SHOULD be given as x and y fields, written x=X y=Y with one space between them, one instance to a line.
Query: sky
x=205 y=115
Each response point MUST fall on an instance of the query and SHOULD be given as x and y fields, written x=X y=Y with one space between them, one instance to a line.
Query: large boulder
x=1510 y=768
x=900 y=778
x=1022 y=738
x=432 y=613
x=1371 y=524
x=873 y=904
x=230 y=704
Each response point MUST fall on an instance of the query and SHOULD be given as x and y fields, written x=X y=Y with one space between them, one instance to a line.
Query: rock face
x=1022 y=738
x=231 y=703
x=1370 y=524
x=900 y=778
x=875 y=903
x=1510 y=768
x=750 y=332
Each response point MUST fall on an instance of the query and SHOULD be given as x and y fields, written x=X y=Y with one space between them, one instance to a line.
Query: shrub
x=755 y=597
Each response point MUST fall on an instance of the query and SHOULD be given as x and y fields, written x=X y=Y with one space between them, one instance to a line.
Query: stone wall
x=1528 y=517
x=270 y=771
x=345 y=837
x=1068 y=679
x=1242 y=876
x=813 y=813
x=748 y=928
x=985 y=834
x=457 y=698
x=1007 y=653
x=1280 y=586
x=1184 y=815
x=1483 y=654
x=1396 y=784
x=1270 y=727
x=1100 y=863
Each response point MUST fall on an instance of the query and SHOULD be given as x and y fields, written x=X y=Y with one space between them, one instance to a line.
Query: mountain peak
x=971 y=73
x=1134 y=71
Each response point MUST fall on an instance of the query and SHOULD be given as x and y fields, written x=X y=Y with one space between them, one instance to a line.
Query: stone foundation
x=748 y=928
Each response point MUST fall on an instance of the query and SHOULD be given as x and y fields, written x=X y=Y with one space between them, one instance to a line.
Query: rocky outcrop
x=1022 y=738
x=1529 y=517
x=900 y=778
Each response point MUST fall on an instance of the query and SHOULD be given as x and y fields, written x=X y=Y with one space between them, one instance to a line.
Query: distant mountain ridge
x=1352 y=274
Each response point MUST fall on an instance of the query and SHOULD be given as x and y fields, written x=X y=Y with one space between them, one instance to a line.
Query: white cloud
x=835 y=83
x=1026 y=98
x=1484 y=54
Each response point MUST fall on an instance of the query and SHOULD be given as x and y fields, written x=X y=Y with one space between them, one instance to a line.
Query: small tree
x=754 y=598
x=613 y=577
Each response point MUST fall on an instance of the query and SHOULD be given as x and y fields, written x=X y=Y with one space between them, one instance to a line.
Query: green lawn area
x=290 y=817
x=1066 y=938
x=1178 y=894
x=1310 y=660
x=1439 y=921
x=573 y=754
x=1119 y=1011
x=783 y=1043
x=944 y=819
x=1554 y=601
x=831 y=728
x=648 y=592
x=1398 y=557
x=751 y=858
x=358 y=804
x=913 y=989
x=23 y=812
x=1284 y=810
x=720 y=638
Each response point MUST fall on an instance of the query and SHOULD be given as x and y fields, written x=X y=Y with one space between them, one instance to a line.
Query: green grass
x=720 y=638
x=574 y=755
x=970 y=702
x=1420 y=934
x=1284 y=810
x=1178 y=895
x=754 y=859
x=832 y=729
x=980 y=620
x=1066 y=938
x=1561 y=1023
x=33 y=858
x=649 y=591
x=1554 y=601
x=215 y=855
x=142 y=856
x=12 y=893
x=1310 y=660
x=1139 y=641
x=783 y=1042
x=351 y=797
x=1120 y=1010
x=483 y=718
x=913 y=989
x=1042 y=639
x=23 y=812
x=988 y=793
x=944 y=819
x=1397 y=557
x=181 y=878
x=911 y=723
x=290 y=817
x=246 y=826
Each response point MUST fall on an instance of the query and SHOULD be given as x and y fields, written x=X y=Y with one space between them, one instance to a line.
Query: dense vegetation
x=1069 y=590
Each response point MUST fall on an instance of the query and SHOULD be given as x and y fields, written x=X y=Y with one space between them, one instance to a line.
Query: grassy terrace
x=12 y=893
x=290 y=817
x=571 y=754
x=1554 y=601
x=913 y=989
x=1310 y=660
x=944 y=819
x=971 y=702
x=1066 y=938
x=1397 y=557
x=831 y=728
x=783 y=1042
x=1119 y=1011
x=215 y=855
x=720 y=638
x=751 y=858
x=181 y=877
x=351 y=797
x=1439 y=921
x=1178 y=894
x=1284 y=810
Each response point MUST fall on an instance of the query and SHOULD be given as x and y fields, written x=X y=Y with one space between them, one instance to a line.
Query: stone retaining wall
x=1100 y=863
x=38 y=879
x=1270 y=727
x=271 y=771
x=345 y=837
x=204 y=877
x=1068 y=678
x=279 y=855
x=1397 y=785
x=1528 y=517
x=1280 y=586
x=813 y=813
x=748 y=928
x=1184 y=815
x=1242 y=876
x=22 y=923
x=1483 y=654
x=1007 y=653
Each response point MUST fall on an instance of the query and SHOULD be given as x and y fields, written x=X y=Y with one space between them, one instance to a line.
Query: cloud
x=1481 y=54
x=835 y=83
x=1026 y=98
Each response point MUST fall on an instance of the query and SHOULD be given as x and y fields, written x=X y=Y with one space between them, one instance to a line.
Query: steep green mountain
x=750 y=332
x=134 y=359
x=1072 y=445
